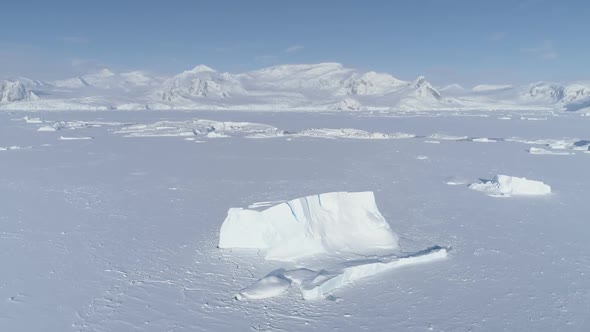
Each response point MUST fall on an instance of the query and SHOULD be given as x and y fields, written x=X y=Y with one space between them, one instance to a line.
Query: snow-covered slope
x=310 y=87
x=571 y=97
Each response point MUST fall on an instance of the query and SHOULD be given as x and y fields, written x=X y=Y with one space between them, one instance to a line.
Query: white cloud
x=545 y=50
x=294 y=48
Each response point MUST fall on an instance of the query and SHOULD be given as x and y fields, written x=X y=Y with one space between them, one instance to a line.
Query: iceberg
x=318 y=224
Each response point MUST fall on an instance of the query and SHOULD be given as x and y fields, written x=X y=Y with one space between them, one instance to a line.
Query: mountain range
x=323 y=87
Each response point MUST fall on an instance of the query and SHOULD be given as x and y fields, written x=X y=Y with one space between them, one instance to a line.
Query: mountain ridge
x=321 y=86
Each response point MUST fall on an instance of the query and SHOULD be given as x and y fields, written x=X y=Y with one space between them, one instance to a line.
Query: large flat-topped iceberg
x=325 y=223
x=504 y=185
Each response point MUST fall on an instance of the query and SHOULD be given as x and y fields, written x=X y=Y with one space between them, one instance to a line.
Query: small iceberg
x=506 y=186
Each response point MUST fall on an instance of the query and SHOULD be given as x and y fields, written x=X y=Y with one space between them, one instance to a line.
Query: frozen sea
x=100 y=231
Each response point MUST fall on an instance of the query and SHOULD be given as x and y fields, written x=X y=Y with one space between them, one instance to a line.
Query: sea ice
x=534 y=150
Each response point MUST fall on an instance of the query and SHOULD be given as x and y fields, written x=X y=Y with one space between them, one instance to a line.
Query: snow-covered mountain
x=371 y=83
x=563 y=95
x=200 y=82
x=106 y=79
x=306 y=79
x=323 y=78
x=323 y=86
x=15 y=91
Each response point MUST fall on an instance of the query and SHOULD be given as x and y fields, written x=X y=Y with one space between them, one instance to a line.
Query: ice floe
x=46 y=129
x=533 y=118
x=28 y=119
x=445 y=137
x=534 y=150
x=14 y=147
x=504 y=185
x=49 y=126
x=75 y=138
x=484 y=140
x=573 y=144
x=199 y=127
x=217 y=129
x=350 y=133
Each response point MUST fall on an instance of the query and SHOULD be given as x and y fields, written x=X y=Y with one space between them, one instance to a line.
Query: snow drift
x=316 y=285
x=324 y=223
x=504 y=185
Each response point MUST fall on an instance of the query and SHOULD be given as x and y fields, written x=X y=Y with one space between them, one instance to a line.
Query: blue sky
x=448 y=41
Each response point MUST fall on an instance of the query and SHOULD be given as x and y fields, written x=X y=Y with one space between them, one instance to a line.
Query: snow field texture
x=133 y=247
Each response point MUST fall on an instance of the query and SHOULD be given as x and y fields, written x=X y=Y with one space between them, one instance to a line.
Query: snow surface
x=120 y=233
x=505 y=185
x=319 y=224
x=270 y=286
